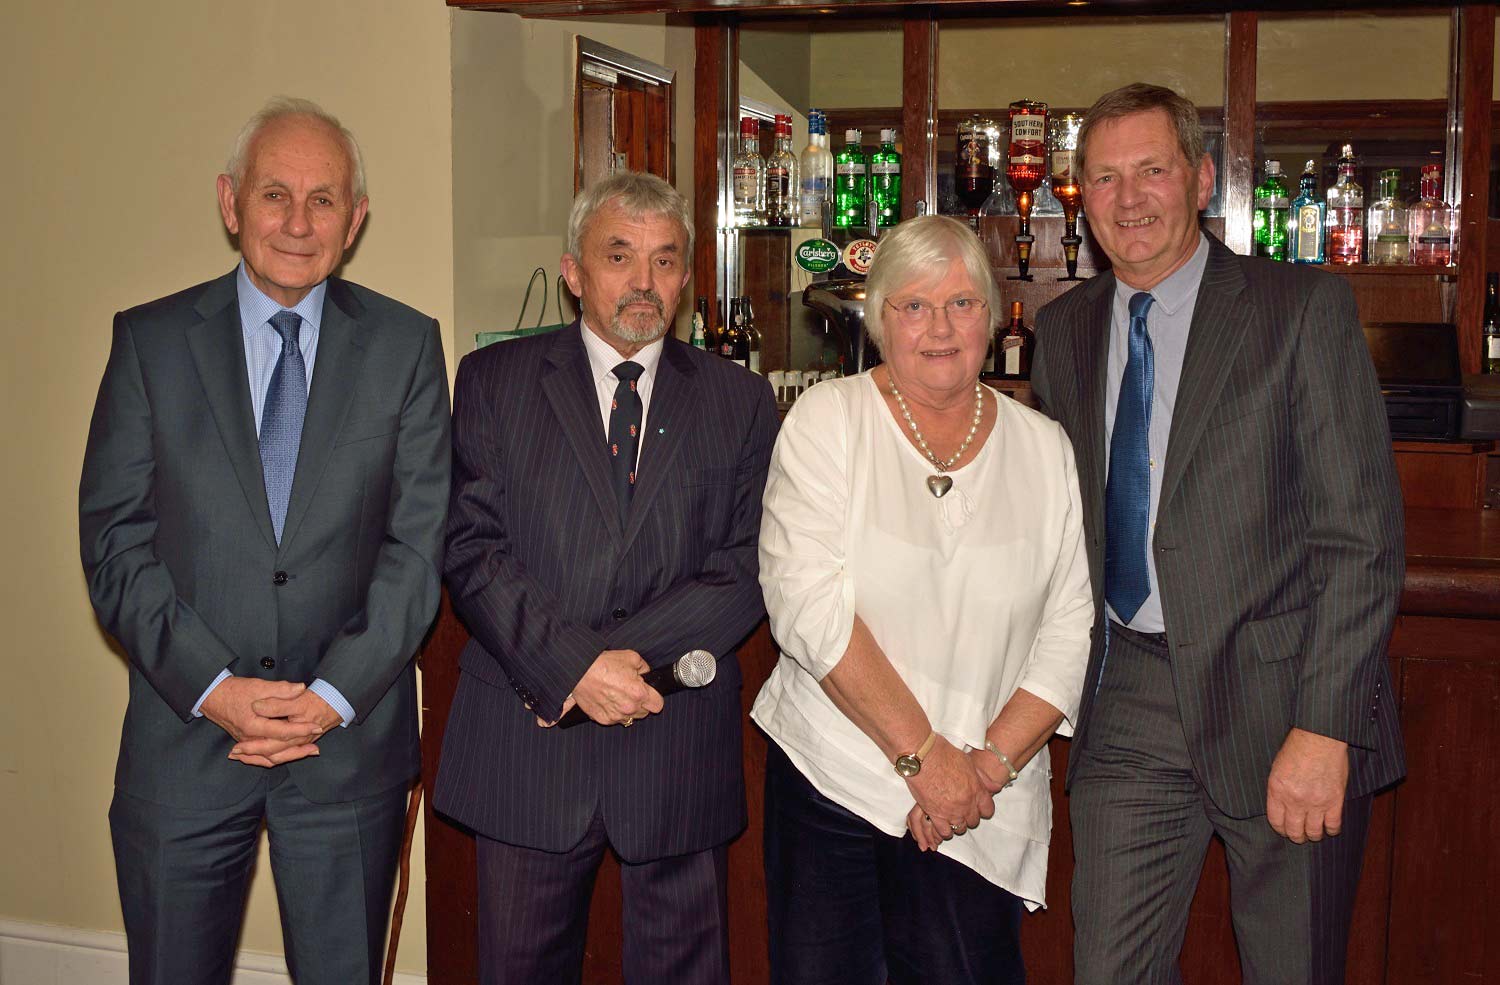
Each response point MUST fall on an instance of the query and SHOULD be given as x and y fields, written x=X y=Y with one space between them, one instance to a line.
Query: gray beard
x=638 y=336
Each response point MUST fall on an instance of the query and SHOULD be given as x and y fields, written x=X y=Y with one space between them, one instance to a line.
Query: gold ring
x=629 y=721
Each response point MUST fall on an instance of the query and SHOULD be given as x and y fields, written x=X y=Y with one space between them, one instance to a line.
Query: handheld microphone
x=693 y=669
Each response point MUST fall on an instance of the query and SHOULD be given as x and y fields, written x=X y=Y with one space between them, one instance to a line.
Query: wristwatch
x=909 y=764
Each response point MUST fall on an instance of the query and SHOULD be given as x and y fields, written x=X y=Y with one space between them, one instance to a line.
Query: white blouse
x=970 y=597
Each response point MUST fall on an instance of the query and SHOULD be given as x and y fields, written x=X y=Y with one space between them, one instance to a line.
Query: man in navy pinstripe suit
x=605 y=510
x=1244 y=526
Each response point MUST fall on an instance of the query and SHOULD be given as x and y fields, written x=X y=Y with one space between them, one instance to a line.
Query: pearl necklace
x=939 y=484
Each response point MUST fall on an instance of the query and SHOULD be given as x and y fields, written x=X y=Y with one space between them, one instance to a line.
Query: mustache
x=640 y=297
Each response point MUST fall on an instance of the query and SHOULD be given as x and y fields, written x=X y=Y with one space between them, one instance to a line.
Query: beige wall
x=513 y=149
x=117 y=116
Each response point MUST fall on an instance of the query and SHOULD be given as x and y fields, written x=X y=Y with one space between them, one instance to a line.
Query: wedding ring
x=629 y=721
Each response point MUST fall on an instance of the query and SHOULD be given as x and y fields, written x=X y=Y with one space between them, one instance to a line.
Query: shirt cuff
x=335 y=700
x=223 y=676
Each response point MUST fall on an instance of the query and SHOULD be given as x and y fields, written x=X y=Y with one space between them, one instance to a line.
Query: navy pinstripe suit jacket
x=1278 y=543
x=545 y=577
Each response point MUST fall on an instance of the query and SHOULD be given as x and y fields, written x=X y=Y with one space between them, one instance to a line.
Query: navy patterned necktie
x=281 y=418
x=1127 y=492
x=625 y=413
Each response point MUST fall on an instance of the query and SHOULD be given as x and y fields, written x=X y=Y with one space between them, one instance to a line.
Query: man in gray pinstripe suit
x=606 y=504
x=1245 y=540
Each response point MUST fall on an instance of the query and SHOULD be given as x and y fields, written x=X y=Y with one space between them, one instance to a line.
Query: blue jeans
x=850 y=905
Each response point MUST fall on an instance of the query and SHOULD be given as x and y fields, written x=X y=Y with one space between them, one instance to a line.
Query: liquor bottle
x=749 y=177
x=1025 y=167
x=1492 y=324
x=851 y=185
x=698 y=340
x=729 y=339
x=1272 y=206
x=1306 y=229
x=816 y=170
x=973 y=174
x=1432 y=222
x=752 y=336
x=1346 y=214
x=700 y=314
x=885 y=179
x=1390 y=233
x=782 y=190
x=1016 y=346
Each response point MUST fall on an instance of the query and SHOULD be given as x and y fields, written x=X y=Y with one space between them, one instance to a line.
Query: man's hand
x=611 y=692
x=306 y=710
x=233 y=707
x=1305 y=793
x=949 y=789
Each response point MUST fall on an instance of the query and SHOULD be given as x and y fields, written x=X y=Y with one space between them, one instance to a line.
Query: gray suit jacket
x=185 y=572
x=546 y=577
x=1278 y=543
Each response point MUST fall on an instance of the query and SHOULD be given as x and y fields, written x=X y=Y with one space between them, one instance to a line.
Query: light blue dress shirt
x=262 y=350
x=1167 y=323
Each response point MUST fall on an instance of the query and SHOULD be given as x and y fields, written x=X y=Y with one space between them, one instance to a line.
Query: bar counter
x=1425 y=911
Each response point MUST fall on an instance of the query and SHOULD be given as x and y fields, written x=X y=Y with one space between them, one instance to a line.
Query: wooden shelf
x=1394 y=270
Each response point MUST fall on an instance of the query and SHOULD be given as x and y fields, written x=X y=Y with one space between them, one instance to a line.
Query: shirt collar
x=603 y=358
x=256 y=308
x=1180 y=288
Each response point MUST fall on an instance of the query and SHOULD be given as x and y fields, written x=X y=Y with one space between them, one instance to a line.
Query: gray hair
x=920 y=251
x=637 y=194
x=1142 y=97
x=280 y=108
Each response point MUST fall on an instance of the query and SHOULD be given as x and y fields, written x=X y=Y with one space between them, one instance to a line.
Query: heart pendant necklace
x=938 y=484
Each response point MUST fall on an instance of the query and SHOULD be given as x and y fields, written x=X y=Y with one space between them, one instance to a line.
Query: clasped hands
x=954 y=791
x=611 y=691
x=271 y=722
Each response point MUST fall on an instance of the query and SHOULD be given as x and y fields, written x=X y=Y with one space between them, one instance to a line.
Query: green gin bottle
x=851 y=183
x=885 y=179
x=1273 y=204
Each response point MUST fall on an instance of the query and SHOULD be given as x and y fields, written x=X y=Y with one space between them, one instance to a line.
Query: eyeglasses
x=962 y=312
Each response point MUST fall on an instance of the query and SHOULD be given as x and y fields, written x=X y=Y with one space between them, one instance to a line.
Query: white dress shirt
x=602 y=362
x=970 y=597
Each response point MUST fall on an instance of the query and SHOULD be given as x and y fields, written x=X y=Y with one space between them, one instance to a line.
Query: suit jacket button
x=619 y=613
x=268 y=663
x=279 y=578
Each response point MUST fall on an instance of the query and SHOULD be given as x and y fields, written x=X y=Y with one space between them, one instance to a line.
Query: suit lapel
x=1092 y=355
x=1214 y=341
x=340 y=352
x=218 y=348
x=674 y=404
x=569 y=388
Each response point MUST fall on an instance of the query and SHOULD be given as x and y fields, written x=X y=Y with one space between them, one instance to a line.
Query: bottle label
x=1433 y=239
x=1012 y=361
x=778 y=183
x=1028 y=127
x=886 y=167
x=1492 y=347
x=1308 y=241
x=1272 y=202
x=848 y=168
x=746 y=186
x=754 y=361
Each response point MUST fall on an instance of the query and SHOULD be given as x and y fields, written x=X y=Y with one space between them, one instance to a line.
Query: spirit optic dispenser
x=1065 y=186
x=1025 y=167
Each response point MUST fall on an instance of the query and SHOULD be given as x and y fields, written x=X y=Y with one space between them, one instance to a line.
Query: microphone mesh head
x=696 y=668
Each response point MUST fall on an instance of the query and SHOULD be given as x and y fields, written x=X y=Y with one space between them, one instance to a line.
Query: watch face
x=908 y=765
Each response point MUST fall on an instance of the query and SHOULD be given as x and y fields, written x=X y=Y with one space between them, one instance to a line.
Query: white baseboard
x=46 y=954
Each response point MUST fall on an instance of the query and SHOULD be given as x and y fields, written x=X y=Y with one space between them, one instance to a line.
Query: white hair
x=920 y=251
x=279 y=108
x=637 y=194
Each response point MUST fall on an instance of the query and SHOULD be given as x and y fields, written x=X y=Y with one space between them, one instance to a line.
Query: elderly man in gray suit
x=1244 y=528
x=261 y=517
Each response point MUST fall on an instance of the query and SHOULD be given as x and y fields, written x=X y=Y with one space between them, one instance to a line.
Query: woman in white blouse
x=923 y=564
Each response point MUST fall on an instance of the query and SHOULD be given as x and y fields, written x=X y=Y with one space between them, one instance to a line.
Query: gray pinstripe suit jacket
x=1278 y=544
x=545 y=577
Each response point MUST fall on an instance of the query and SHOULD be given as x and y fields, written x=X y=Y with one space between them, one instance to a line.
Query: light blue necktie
x=281 y=418
x=1127 y=493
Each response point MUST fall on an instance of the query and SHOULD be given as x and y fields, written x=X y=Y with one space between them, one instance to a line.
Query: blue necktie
x=1127 y=493
x=281 y=418
x=625 y=413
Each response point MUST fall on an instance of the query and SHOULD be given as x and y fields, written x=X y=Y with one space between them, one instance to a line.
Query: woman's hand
x=948 y=787
x=987 y=766
x=928 y=832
